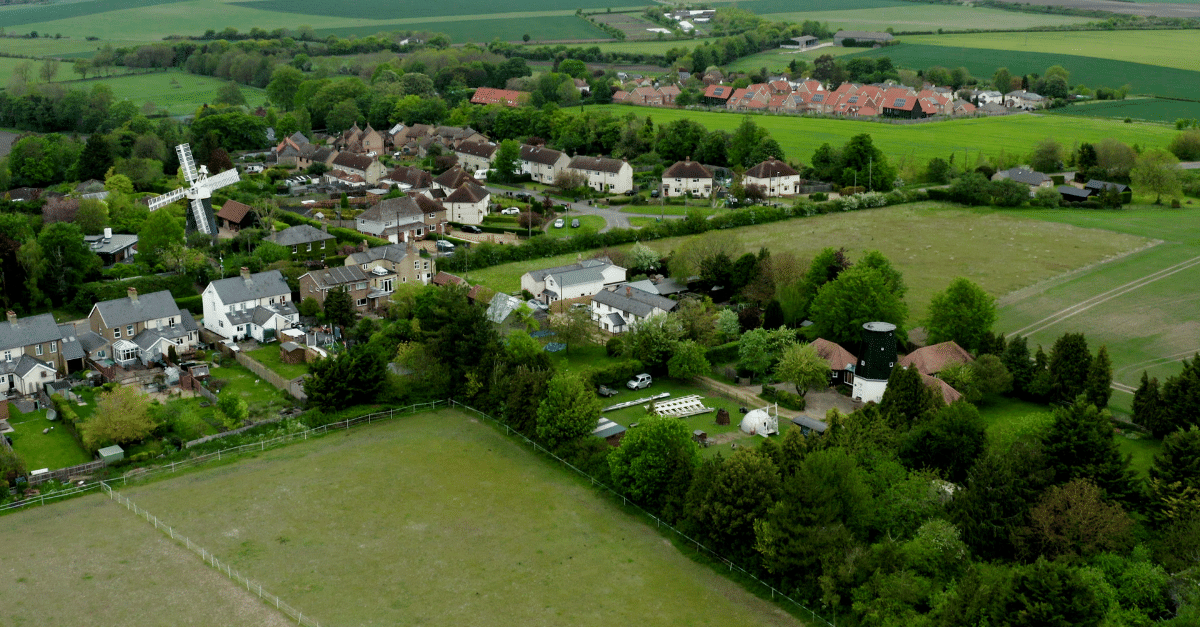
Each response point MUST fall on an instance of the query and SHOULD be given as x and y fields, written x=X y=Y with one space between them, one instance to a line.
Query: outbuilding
x=760 y=422
x=111 y=454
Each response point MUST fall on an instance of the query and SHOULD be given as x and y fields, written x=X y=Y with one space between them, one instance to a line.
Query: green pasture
x=777 y=60
x=118 y=570
x=438 y=518
x=66 y=75
x=1144 y=307
x=484 y=29
x=927 y=17
x=800 y=136
x=53 y=450
x=768 y=7
x=50 y=47
x=1153 y=109
x=389 y=9
x=1168 y=48
x=1091 y=71
x=177 y=92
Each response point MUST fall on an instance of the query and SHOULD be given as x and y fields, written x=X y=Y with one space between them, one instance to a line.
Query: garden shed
x=111 y=454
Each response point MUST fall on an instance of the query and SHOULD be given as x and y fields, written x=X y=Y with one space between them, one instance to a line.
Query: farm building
x=858 y=37
x=875 y=366
x=1095 y=187
x=1024 y=175
x=1070 y=193
x=806 y=41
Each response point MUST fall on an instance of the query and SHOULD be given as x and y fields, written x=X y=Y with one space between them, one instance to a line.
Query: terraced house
x=403 y=219
x=613 y=176
x=542 y=164
x=687 y=177
x=305 y=241
x=402 y=259
x=475 y=156
x=143 y=328
x=30 y=353
x=368 y=290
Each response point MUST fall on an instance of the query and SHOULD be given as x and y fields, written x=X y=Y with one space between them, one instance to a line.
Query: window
x=171 y=321
x=419 y=233
x=229 y=308
x=128 y=354
x=53 y=347
x=416 y=265
x=102 y=354
x=432 y=215
x=362 y=302
x=116 y=334
x=129 y=330
x=7 y=355
x=295 y=249
x=38 y=350
x=322 y=245
x=221 y=323
x=426 y=265
x=362 y=285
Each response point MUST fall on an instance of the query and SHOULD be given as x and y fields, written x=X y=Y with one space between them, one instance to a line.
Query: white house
x=613 y=176
x=585 y=278
x=25 y=375
x=542 y=164
x=774 y=177
x=475 y=155
x=687 y=176
x=250 y=305
x=467 y=204
x=1022 y=99
x=618 y=307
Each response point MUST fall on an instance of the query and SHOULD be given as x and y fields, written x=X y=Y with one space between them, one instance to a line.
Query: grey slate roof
x=90 y=341
x=300 y=234
x=151 y=306
x=29 y=330
x=539 y=275
x=394 y=253
x=662 y=288
x=863 y=35
x=22 y=365
x=261 y=285
x=337 y=275
x=579 y=276
x=147 y=338
x=71 y=349
x=597 y=164
x=616 y=319
x=606 y=428
x=634 y=301
x=1099 y=186
x=540 y=154
x=116 y=243
x=1073 y=193
x=1028 y=177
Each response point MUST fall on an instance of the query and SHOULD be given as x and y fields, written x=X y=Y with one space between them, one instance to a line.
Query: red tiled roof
x=837 y=356
x=944 y=391
x=233 y=211
x=933 y=359
x=445 y=278
x=718 y=91
x=489 y=95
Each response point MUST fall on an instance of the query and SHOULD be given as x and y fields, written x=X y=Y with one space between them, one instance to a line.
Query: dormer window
x=171 y=321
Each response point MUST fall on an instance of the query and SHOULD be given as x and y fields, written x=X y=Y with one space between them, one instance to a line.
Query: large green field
x=439 y=519
x=177 y=92
x=925 y=18
x=1156 y=109
x=553 y=26
x=1144 y=307
x=88 y=562
x=800 y=136
x=1091 y=71
x=1167 y=48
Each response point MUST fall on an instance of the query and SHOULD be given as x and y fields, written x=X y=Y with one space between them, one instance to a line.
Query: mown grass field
x=65 y=77
x=1168 y=48
x=177 y=92
x=1144 y=307
x=88 y=562
x=800 y=136
x=437 y=518
x=925 y=17
x=1091 y=71
x=1155 y=109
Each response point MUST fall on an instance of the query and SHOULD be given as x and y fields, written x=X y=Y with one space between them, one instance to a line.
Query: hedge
x=723 y=354
x=783 y=397
x=613 y=375
x=70 y=419
x=180 y=286
x=194 y=304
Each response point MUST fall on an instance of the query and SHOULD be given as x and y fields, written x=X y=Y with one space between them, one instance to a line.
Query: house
x=542 y=164
x=841 y=361
x=305 y=241
x=1096 y=187
x=617 y=308
x=452 y=179
x=859 y=37
x=584 y=278
x=402 y=259
x=1023 y=175
x=24 y=375
x=112 y=248
x=506 y=97
x=235 y=216
x=1022 y=99
x=467 y=204
x=774 y=177
x=686 y=177
x=316 y=154
x=25 y=341
x=404 y=218
x=613 y=176
x=407 y=178
x=368 y=290
x=369 y=168
x=250 y=305
x=657 y=284
x=717 y=95
x=476 y=155
x=367 y=141
x=144 y=327
x=933 y=359
x=941 y=389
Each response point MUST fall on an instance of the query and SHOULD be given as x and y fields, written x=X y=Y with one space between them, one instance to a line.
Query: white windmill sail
x=200 y=187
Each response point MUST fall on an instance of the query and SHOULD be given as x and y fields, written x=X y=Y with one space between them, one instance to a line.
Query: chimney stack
x=107 y=233
x=364 y=247
x=12 y=317
x=245 y=273
x=133 y=294
x=628 y=291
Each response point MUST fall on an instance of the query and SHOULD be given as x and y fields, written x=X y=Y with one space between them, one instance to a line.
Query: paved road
x=613 y=218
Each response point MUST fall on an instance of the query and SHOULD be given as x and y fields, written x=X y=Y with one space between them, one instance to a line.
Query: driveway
x=613 y=218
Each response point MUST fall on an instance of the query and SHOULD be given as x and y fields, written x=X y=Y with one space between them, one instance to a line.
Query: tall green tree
x=963 y=313
x=69 y=260
x=159 y=232
x=741 y=491
x=801 y=365
x=950 y=442
x=569 y=410
x=95 y=159
x=856 y=297
x=1080 y=445
x=1157 y=171
x=1174 y=493
x=1181 y=397
x=654 y=464
x=997 y=495
x=1099 y=379
x=346 y=379
x=1147 y=407
x=1070 y=363
x=506 y=166
x=688 y=361
x=907 y=400
x=744 y=141
x=338 y=308
x=1053 y=593
x=1019 y=363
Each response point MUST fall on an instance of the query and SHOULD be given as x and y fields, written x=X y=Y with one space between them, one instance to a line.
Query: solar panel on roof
x=900 y=102
x=818 y=97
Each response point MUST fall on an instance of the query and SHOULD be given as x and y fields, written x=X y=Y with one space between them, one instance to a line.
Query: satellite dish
x=51 y=415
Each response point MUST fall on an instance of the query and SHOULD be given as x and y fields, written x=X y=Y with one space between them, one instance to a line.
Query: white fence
x=212 y=560
x=41 y=499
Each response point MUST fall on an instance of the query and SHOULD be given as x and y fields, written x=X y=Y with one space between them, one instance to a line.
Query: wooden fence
x=62 y=474
x=295 y=387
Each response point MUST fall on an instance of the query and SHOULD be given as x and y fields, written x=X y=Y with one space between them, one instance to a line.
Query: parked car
x=632 y=192
x=575 y=223
x=606 y=391
x=639 y=382
x=445 y=246
x=511 y=211
x=558 y=224
x=654 y=193
x=471 y=228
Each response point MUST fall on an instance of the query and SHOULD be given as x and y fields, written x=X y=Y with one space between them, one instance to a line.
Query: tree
x=991 y=376
x=97 y=157
x=1099 y=379
x=285 y=82
x=1080 y=445
x=158 y=233
x=230 y=94
x=950 y=442
x=740 y=492
x=1047 y=156
x=48 y=70
x=760 y=348
x=1019 y=363
x=568 y=411
x=122 y=416
x=652 y=340
x=1147 y=407
x=745 y=139
x=688 y=361
x=338 y=308
x=856 y=297
x=1181 y=397
x=654 y=464
x=1070 y=363
x=92 y=216
x=801 y=365
x=1002 y=80
x=963 y=313
x=343 y=115
x=1073 y=521
x=11 y=467
x=907 y=400
x=233 y=406
x=1186 y=145
x=728 y=327
x=82 y=67
x=349 y=378
x=1157 y=171
x=506 y=166
x=573 y=328
x=1052 y=593
x=69 y=260
x=996 y=497
x=1174 y=493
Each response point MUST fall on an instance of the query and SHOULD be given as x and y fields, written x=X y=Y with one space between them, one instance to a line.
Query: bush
x=614 y=346
x=194 y=304
x=614 y=375
x=818 y=196
x=783 y=397
x=309 y=307
x=723 y=354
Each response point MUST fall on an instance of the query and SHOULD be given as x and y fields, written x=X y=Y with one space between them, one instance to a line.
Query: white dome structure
x=760 y=422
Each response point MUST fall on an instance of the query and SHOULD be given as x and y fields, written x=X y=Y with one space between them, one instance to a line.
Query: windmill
x=199 y=192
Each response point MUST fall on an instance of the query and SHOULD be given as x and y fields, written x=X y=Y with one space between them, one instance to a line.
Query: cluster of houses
x=1070 y=193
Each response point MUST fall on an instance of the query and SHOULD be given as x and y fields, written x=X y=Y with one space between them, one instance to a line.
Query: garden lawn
x=257 y=392
x=269 y=356
x=586 y=223
x=507 y=277
x=53 y=450
x=438 y=518
x=702 y=206
x=800 y=136
x=88 y=562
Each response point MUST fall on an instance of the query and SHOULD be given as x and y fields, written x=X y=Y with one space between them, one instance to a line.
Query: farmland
x=477 y=530
x=88 y=562
x=1157 y=109
x=177 y=92
x=926 y=17
x=1091 y=71
x=550 y=26
x=799 y=136
x=1156 y=47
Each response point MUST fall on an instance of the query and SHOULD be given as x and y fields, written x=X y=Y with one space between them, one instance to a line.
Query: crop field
x=389 y=9
x=482 y=29
x=1091 y=71
x=767 y=7
x=177 y=92
x=1168 y=48
x=437 y=518
x=1154 y=109
x=926 y=17
x=799 y=136
x=1144 y=307
x=634 y=25
x=88 y=562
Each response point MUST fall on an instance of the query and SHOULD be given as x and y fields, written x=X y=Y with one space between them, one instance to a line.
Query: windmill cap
x=879 y=326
